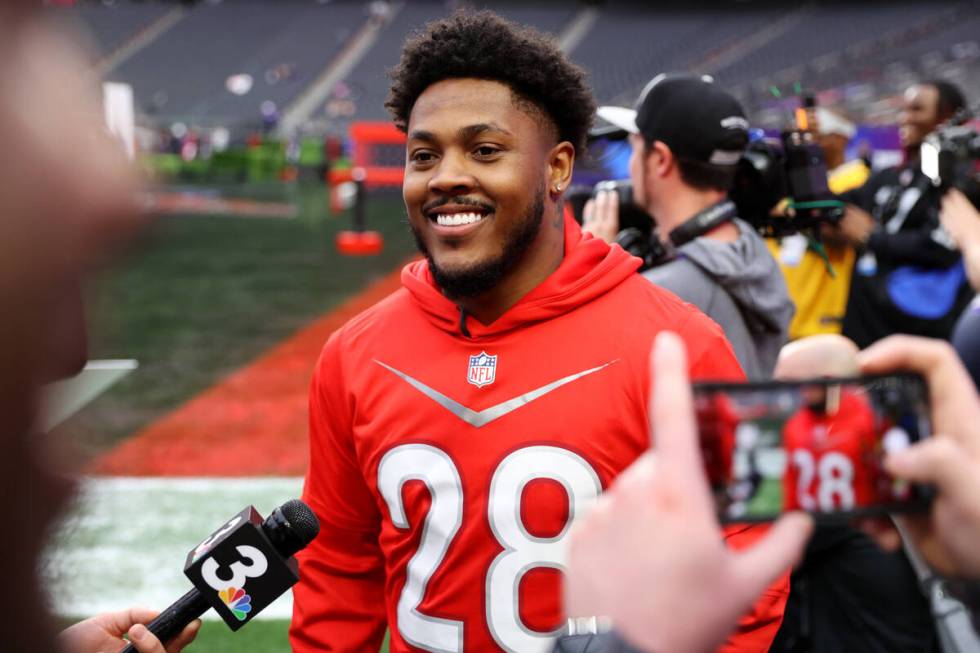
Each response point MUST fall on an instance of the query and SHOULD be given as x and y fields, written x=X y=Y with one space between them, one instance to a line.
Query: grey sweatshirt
x=739 y=286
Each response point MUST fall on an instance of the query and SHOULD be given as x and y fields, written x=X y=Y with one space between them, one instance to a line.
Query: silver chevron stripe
x=483 y=417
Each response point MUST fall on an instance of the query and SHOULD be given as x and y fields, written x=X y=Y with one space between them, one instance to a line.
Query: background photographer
x=819 y=293
x=687 y=136
x=909 y=280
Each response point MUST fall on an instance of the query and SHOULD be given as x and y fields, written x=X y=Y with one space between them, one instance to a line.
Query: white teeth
x=456 y=219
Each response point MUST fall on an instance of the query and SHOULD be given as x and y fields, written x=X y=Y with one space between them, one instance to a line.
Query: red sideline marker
x=359 y=243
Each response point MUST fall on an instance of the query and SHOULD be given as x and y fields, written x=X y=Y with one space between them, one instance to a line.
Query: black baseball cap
x=692 y=115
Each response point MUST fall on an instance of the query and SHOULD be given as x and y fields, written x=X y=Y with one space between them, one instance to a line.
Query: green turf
x=768 y=499
x=256 y=637
x=198 y=297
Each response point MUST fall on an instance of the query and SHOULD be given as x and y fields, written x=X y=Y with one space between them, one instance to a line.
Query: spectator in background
x=909 y=278
x=835 y=133
x=962 y=220
x=687 y=137
x=818 y=285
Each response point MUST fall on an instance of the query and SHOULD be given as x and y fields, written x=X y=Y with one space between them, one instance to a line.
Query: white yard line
x=125 y=539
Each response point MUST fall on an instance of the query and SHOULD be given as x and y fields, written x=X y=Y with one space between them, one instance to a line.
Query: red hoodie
x=448 y=457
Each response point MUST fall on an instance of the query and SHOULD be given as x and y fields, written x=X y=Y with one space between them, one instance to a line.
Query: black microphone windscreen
x=302 y=520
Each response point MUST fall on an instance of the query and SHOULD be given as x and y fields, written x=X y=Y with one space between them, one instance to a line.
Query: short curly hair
x=482 y=45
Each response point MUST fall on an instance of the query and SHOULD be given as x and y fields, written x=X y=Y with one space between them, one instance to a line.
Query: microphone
x=240 y=568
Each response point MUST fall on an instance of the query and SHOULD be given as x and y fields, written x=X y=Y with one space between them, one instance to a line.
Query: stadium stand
x=109 y=27
x=875 y=56
x=282 y=45
x=629 y=44
x=859 y=55
x=368 y=83
x=825 y=30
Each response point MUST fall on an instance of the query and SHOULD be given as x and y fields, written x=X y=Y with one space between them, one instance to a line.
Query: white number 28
x=521 y=550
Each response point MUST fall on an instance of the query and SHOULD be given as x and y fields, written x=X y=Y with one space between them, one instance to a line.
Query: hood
x=747 y=270
x=590 y=268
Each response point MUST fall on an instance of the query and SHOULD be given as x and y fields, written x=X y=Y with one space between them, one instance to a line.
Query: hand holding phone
x=817 y=445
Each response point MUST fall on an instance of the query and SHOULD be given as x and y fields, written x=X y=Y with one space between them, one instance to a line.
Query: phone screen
x=817 y=445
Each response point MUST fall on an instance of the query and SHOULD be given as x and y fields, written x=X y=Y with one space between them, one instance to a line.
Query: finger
x=933 y=358
x=185 y=637
x=671 y=405
x=938 y=460
x=144 y=641
x=630 y=491
x=602 y=201
x=672 y=426
x=772 y=556
x=119 y=622
x=588 y=211
x=953 y=198
x=612 y=214
x=951 y=391
x=613 y=206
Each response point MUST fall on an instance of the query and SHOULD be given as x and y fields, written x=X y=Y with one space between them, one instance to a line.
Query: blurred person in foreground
x=962 y=220
x=66 y=196
x=908 y=277
x=650 y=557
x=662 y=503
x=687 y=136
x=818 y=285
x=460 y=425
x=847 y=594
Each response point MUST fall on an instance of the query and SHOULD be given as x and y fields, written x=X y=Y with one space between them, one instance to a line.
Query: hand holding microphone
x=239 y=570
x=104 y=633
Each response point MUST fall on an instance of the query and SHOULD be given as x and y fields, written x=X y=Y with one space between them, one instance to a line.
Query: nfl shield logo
x=482 y=370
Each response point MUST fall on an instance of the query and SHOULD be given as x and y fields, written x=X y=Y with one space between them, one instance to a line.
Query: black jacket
x=908 y=233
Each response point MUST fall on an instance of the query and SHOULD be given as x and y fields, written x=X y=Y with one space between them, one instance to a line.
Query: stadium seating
x=820 y=31
x=109 y=27
x=627 y=46
x=368 y=82
x=182 y=75
x=284 y=45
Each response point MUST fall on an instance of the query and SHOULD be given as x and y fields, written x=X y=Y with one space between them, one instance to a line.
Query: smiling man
x=459 y=426
x=908 y=277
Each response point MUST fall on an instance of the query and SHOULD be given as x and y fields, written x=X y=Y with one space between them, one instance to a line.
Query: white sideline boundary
x=124 y=540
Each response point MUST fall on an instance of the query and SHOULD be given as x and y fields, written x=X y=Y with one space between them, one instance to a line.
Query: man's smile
x=455 y=220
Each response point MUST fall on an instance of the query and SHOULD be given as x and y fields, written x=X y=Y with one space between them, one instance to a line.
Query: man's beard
x=485 y=275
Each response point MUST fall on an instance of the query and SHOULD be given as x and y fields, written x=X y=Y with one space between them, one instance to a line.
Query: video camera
x=793 y=169
x=770 y=171
x=949 y=155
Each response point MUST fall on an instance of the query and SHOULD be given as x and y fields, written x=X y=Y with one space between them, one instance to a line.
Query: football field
x=197 y=302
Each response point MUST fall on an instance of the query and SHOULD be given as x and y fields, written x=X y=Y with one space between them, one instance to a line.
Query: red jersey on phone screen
x=831 y=455
x=448 y=461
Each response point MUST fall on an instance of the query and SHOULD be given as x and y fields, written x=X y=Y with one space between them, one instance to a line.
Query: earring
x=557 y=188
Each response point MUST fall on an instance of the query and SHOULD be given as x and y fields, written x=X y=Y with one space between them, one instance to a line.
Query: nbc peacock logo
x=237 y=601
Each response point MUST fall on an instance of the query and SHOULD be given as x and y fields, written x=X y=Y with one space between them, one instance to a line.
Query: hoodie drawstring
x=462 y=322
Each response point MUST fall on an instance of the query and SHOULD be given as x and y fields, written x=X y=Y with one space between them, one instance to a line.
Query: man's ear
x=561 y=163
x=661 y=159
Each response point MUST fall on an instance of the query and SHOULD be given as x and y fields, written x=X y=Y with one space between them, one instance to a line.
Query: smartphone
x=817 y=445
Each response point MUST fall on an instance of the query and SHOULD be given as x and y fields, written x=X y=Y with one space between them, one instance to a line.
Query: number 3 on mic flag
x=238 y=570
